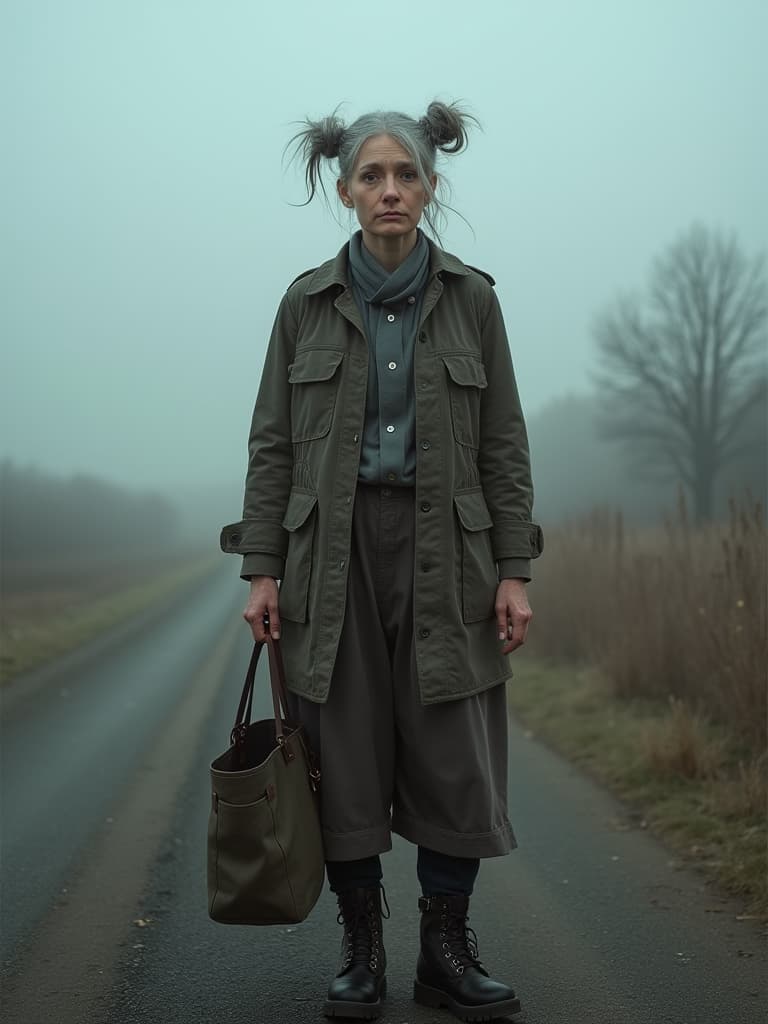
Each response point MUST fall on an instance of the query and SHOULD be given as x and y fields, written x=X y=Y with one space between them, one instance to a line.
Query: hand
x=262 y=601
x=513 y=613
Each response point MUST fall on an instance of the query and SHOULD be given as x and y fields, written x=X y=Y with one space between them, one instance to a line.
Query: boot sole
x=357 y=1011
x=437 y=1000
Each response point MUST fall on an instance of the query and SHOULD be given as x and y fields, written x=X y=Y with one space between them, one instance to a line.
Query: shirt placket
x=392 y=397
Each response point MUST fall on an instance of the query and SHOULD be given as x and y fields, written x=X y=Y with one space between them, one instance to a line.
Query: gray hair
x=443 y=127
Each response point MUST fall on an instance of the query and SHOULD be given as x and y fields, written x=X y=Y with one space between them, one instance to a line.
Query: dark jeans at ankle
x=442 y=873
x=437 y=873
x=344 y=875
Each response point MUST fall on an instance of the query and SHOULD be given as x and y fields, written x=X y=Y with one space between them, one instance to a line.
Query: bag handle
x=277 y=685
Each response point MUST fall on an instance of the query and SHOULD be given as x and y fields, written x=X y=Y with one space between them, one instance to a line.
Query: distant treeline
x=42 y=515
x=577 y=467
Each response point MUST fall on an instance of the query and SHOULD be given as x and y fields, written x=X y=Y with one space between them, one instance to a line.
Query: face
x=384 y=189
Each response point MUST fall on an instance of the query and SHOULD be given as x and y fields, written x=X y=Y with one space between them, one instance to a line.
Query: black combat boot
x=449 y=973
x=357 y=989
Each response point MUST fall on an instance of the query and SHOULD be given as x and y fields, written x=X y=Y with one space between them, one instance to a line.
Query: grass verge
x=34 y=631
x=687 y=780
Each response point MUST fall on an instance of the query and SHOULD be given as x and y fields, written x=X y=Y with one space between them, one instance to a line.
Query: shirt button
x=425 y=506
x=390 y=429
x=391 y=318
x=424 y=633
x=391 y=476
x=411 y=299
x=426 y=445
x=392 y=366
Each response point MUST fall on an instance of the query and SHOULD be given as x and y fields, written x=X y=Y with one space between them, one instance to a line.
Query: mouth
x=391 y=215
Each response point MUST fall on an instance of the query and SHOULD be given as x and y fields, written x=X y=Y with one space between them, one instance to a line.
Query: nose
x=390 y=188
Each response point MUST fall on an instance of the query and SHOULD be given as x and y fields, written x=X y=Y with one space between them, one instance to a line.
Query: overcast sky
x=146 y=220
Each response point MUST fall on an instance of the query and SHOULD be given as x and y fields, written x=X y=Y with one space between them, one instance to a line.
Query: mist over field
x=151 y=228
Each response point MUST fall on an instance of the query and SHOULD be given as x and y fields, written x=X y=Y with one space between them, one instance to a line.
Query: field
x=647 y=666
x=51 y=607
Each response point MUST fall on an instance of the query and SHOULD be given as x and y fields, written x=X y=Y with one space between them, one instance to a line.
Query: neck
x=390 y=252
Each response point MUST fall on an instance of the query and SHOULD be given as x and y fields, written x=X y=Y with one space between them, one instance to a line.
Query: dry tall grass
x=674 y=612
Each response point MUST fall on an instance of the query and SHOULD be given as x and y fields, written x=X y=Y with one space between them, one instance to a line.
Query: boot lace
x=459 y=941
x=361 y=919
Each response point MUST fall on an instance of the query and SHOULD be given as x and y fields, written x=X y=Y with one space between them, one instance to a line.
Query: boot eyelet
x=459 y=970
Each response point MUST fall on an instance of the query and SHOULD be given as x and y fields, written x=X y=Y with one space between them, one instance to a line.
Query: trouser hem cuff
x=495 y=843
x=356 y=845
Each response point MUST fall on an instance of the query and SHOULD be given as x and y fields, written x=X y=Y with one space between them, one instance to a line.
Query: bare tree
x=683 y=366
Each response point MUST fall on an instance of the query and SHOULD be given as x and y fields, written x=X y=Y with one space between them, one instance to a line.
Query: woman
x=389 y=491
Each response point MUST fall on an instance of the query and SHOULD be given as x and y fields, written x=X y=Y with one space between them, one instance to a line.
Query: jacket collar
x=335 y=271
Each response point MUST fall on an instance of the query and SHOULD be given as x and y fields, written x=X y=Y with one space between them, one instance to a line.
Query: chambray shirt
x=388 y=451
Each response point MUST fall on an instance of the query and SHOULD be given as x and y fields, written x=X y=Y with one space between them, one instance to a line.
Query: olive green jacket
x=473 y=485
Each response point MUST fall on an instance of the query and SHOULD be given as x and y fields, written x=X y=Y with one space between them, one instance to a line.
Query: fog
x=147 y=217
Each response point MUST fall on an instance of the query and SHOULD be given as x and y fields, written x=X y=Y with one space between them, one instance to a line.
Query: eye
x=410 y=176
x=369 y=177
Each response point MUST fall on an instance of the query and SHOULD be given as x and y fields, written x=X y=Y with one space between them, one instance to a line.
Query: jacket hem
x=442 y=698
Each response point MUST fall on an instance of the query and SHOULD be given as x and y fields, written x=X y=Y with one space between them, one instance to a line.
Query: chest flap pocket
x=466 y=383
x=314 y=379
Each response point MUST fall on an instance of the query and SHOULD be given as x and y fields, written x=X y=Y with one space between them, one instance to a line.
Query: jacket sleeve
x=504 y=459
x=260 y=536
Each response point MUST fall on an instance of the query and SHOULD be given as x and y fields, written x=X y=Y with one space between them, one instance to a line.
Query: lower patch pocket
x=300 y=522
x=479 y=579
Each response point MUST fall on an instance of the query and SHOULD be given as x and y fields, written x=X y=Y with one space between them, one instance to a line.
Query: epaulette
x=306 y=272
x=482 y=273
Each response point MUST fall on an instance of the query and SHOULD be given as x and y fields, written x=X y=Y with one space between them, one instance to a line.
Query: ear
x=344 y=195
x=433 y=183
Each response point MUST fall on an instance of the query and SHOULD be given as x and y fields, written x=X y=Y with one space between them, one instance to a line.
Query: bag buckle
x=238 y=735
x=288 y=754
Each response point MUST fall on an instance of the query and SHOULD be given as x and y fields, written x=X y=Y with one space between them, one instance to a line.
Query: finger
x=518 y=630
x=501 y=621
x=255 y=619
x=274 y=619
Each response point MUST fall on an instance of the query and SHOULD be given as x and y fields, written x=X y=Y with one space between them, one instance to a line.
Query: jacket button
x=234 y=538
x=423 y=633
x=422 y=335
x=426 y=445
x=425 y=506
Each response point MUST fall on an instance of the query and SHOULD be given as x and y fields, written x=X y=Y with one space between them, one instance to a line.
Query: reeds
x=674 y=613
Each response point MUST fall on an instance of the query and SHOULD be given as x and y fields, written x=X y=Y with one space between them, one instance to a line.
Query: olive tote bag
x=265 y=851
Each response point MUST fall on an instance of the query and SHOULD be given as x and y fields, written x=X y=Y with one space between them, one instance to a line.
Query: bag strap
x=277 y=685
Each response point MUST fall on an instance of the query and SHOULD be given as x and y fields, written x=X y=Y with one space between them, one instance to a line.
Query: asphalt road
x=105 y=799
